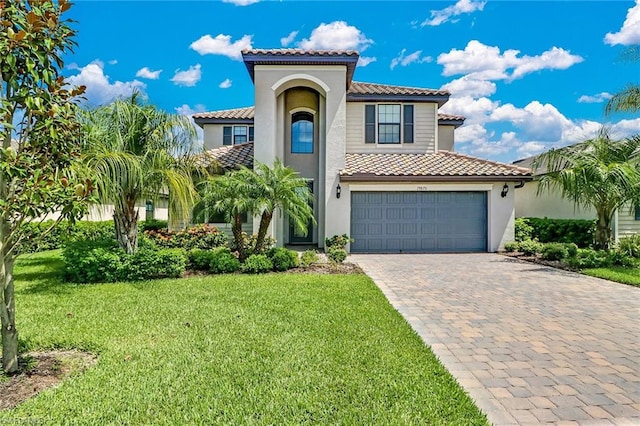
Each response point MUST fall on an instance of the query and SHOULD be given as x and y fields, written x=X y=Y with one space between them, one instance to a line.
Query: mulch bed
x=540 y=261
x=40 y=371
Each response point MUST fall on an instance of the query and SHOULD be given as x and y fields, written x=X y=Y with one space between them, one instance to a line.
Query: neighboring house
x=379 y=159
x=550 y=204
x=147 y=210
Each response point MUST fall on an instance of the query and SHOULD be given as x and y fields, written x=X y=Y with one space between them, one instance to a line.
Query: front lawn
x=616 y=273
x=268 y=349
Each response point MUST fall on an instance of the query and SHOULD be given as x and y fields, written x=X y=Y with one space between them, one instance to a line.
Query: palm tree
x=598 y=173
x=137 y=152
x=628 y=100
x=279 y=188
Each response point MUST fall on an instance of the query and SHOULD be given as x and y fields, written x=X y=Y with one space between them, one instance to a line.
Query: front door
x=297 y=237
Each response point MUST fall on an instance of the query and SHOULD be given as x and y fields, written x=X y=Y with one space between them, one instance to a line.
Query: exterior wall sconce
x=505 y=190
x=338 y=191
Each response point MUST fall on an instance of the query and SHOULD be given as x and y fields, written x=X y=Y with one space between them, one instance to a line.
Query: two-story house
x=379 y=159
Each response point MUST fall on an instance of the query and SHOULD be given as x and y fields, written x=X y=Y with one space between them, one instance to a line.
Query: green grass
x=238 y=349
x=616 y=273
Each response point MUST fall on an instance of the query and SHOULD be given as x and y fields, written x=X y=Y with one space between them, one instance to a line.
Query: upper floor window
x=388 y=123
x=233 y=135
x=302 y=133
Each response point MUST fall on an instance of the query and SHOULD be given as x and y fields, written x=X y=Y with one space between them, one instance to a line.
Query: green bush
x=619 y=258
x=200 y=236
x=309 y=257
x=257 y=264
x=530 y=247
x=589 y=258
x=512 y=246
x=555 y=251
x=223 y=261
x=283 y=259
x=171 y=263
x=576 y=231
x=34 y=239
x=572 y=249
x=249 y=244
x=199 y=259
x=93 y=261
x=337 y=241
x=523 y=231
x=153 y=225
x=630 y=246
x=337 y=255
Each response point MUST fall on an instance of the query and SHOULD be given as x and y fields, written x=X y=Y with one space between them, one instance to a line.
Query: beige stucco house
x=551 y=205
x=379 y=159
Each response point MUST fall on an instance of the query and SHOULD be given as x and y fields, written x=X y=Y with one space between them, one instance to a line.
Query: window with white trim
x=388 y=123
x=233 y=135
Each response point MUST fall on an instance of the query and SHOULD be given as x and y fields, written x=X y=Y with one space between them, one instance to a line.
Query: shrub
x=257 y=264
x=34 y=239
x=630 y=246
x=249 y=245
x=337 y=241
x=171 y=263
x=576 y=231
x=572 y=249
x=337 y=255
x=93 y=261
x=283 y=259
x=530 y=247
x=309 y=257
x=153 y=225
x=589 y=258
x=523 y=231
x=223 y=261
x=618 y=258
x=199 y=259
x=199 y=236
x=555 y=251
x=512 y=246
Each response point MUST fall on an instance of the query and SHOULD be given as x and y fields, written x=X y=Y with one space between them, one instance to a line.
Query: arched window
x=302 y=133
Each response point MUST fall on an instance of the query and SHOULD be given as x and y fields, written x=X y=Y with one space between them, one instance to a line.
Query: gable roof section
x=245 y=116
x=440 y=166
x=253 y=57
x=373 y=92
x=229 y=157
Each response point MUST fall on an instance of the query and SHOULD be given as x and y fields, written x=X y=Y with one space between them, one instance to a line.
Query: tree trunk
x=265 y=221
x=236 y=230
x=126 y=224
x=8 y=313
x=603 y=231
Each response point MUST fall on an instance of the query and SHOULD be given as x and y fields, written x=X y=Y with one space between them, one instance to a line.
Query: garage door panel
x=418 y=221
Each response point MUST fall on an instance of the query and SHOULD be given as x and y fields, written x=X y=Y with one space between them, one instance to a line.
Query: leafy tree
x=598 y=173
x=628 y=100
x=39 y=137
x=137 y=152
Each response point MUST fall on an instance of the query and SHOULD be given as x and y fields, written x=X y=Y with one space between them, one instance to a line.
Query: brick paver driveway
x=530 y=344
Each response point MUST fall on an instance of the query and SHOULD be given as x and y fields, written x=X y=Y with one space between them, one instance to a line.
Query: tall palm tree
x=137 y=152
x=279 y=188
x=628 y=100
x=598 y=173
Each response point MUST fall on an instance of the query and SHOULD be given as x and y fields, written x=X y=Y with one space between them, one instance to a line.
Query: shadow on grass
x=39 y=274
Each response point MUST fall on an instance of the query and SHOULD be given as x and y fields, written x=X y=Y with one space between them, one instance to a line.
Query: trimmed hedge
x=546 y=230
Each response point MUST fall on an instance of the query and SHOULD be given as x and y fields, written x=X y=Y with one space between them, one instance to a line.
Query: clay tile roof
x=236 y=113
x=443 y=165
x=229 y=157
x=359 y=88
x=299 y=52
x=449 y=117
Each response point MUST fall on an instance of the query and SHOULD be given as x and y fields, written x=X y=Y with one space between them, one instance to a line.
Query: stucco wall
x=500 y=211
x=101 y=212
x=445 y=138
x=548 y=204
x=212 y=136
x=424 y=133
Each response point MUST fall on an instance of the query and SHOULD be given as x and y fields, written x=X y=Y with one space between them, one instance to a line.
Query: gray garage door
x=418 y=222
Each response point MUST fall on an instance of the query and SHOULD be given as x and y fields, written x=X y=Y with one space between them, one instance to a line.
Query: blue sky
x=528 y=75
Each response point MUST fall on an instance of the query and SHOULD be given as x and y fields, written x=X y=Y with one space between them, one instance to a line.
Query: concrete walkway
x=530 y=344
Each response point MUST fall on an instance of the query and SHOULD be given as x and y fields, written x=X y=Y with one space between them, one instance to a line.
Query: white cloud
x=185 y=109
x=188 y=78
x=336 y=35
x=241 y=2
x=462 y=6
x=145 y=72
x=100 y=90
x=468 y=86
x=363 y=61
x=113 y=62
x=625 y=128
x=629 y=34
x=476 y=110
x=538 y=121
x=225 y=84
x=404 y=60
x=487 y=63
x=595 y=99
x=285 y=41
x=222 y=45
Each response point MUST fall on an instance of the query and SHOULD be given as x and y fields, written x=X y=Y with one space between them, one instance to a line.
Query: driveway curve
x=530 y=344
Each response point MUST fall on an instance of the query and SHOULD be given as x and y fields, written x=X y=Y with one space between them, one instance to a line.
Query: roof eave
x=366 y=177
x=454 y=123
x=356 y=97
x=201 y=121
